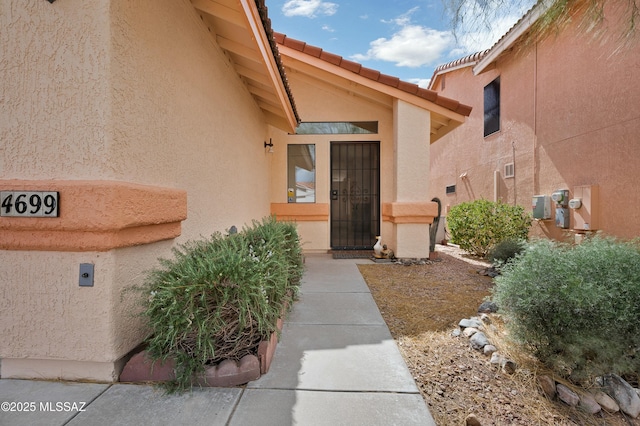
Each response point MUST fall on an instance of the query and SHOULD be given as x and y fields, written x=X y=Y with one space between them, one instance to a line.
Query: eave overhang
x=241 y=28
x=446 y=114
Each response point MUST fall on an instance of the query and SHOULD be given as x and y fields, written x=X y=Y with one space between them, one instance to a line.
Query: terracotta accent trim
x=409 y=212
x=96 y=216
x=301 y=212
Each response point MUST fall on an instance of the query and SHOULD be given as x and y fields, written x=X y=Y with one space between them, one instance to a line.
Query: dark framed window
x=492 y=107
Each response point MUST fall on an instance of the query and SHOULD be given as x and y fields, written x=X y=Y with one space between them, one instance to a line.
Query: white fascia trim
x=513 y=35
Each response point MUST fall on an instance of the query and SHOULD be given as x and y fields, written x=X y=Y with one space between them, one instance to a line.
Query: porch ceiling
x=242 y=30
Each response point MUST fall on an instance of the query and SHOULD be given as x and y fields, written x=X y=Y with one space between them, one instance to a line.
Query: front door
x=355 y=195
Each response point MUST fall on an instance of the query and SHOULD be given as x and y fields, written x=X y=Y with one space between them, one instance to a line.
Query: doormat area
x=352 y=254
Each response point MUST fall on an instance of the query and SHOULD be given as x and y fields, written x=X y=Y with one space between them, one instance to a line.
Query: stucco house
x=129 y=127
x=560 y=116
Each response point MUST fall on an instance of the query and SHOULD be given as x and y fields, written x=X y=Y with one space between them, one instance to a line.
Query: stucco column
x=411 y=212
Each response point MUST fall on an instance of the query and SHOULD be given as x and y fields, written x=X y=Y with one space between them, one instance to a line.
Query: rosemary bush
x=477 y=226
x=219 y=297
x=577 y=308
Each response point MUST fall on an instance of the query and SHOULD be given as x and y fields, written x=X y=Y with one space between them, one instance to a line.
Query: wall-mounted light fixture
x=270 y=145
x=51 y=1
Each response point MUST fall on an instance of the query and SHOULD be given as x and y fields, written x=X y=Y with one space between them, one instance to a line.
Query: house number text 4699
x=29 y=203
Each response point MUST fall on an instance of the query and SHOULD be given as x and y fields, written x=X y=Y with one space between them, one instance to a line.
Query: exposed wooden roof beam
x=221 y=11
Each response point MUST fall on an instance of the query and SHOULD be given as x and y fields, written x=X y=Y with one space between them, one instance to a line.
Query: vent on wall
x=451 y=189
x=509 y=170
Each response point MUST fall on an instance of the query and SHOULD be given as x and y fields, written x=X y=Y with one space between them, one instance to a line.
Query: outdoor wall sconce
x=51 y=1
x=270 y=145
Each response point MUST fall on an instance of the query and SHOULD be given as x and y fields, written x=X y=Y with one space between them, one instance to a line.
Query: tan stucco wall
x=122 y=91
x=317 y=100
x=569 y=117
x=403 y=134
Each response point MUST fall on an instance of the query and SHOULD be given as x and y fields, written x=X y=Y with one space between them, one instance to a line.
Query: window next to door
x=492 y=107
x=301 y=173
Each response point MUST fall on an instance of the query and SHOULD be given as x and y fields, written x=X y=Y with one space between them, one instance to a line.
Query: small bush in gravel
x=219 y=297
x=577 y=308
x=477 y=226
x=505 y=250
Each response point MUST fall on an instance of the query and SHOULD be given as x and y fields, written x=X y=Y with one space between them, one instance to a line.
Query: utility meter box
x=541 y=205
x=562 y=217
x=586 y=215
x=561 y=197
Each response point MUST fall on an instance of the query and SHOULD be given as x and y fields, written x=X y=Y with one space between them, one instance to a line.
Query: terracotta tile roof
x=266 y=23
x=470 y=59
x=371 y=74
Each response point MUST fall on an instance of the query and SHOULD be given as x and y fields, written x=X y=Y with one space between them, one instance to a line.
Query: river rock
x=623 y=393
x=469 y=331
x=488 y=307
x=588 y=404
x=548 y=386
x=479 y=341
x=470 y=322
x=606 y=402
x=489 y=350
x=472 y=420
x=567 y=396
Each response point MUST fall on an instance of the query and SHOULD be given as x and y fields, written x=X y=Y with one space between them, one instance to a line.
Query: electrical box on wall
x=541 y=205
x=586 y=213
x=562 y=217
x=561 y=197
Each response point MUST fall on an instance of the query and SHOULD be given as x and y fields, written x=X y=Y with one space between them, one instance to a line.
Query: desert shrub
x=577 y=308
x=505 y=251
x=217 y=298
x=477 y=226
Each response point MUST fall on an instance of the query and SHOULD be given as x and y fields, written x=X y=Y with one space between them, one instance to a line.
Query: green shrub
x=577 y=308
x=505 y=251
x=477 y=226
x=219 y=297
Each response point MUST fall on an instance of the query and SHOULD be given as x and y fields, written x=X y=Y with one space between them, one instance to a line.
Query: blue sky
x=403 y=38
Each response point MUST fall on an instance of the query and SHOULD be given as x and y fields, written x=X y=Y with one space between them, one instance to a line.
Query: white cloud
x=412 y=46
x=421 y=82
x=309 y=8
x=328 y=29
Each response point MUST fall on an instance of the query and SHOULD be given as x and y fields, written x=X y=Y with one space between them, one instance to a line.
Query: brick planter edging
x=142 y=369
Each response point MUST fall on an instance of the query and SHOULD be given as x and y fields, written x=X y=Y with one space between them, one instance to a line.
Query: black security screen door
x=355 y=195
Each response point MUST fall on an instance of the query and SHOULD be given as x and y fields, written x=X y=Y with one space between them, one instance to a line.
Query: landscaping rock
x=623 y=393
x=472 y=420
x=489 y=350
x=488 y=307
x=548 y=386
x=588 y=404
x=485 y=319
x=508 y=366
x=606 y=402
x=469 y=331
x=567 y=396
x=479 y=341
x=496 y=358
x=472 y=322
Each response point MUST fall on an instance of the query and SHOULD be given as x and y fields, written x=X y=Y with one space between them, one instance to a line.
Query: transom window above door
x=337 y=127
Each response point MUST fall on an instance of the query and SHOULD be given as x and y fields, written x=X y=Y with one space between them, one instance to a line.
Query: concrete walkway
x=336 y=364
